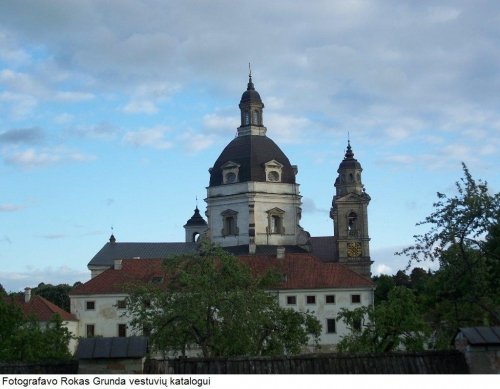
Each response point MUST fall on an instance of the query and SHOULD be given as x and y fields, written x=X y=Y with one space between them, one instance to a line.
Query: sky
x=112 y=112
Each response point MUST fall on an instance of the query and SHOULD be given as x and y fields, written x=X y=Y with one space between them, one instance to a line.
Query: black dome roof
x=349 y=161
x=250 y=95
x=251 y=152
x=196 y=219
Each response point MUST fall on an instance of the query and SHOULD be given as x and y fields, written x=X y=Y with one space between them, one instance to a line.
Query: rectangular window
x=311 y=299
x=291 y=300
x=356 y=325
x=330 y=326
x=90 y=330
x=276 y=224
x=156 y=279
x=330 y=299
x=90 y=305
x=121 y=304
x=355 y=298
x=122 y=330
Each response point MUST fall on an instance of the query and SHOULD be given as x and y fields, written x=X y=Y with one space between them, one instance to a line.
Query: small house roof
x=41 y=308
x=481 y=335
x=109 y=348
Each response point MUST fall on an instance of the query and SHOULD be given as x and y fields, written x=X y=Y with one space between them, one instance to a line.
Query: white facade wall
x=263 y=196
x=106 y=316
x=323 y=310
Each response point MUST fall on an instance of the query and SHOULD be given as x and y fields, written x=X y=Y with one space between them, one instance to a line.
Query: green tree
x=463 y=239
x=394 y=324
x=23 y=339
x=383 y=285
x=57 y=294
x=213 y=302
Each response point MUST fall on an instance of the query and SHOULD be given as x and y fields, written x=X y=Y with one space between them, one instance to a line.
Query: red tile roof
x=305 y=271
x=41 y=308
x=301 y=271
x=117 y=281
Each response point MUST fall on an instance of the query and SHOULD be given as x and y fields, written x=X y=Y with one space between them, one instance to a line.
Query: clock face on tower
x=353 y=249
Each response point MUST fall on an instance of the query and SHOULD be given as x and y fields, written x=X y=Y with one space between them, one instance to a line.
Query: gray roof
x=323 y=247
x=128 y=250
x=98 y=348
x=481 y=335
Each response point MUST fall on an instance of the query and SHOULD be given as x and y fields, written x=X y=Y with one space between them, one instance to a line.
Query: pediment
x=352 y=197
x=230 y=165
x=273 y=164
x=276 y=211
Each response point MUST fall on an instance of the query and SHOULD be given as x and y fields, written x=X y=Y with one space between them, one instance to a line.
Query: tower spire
x=250 y=83
x=349 y=154
x=251 y=107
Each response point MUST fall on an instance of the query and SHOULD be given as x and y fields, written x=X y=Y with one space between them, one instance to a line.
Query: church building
x=253 y=210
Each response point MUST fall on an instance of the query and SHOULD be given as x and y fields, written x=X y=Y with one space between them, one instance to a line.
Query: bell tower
x=350 y=216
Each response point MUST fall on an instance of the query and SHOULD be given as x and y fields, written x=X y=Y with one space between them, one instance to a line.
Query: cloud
x=102 y=131
x=222 y=124
x=73 y=97
x=6 y=239
x=52 y=236
x=63 y=118
x=17 y=105
x=11 y=207
x=32 y=135
x=289 y=128
x=147 y=96
x=195 y=142
x=383 y=269
x=31 y=158
x=31 y=277
x=309 y=206
x=154 y=137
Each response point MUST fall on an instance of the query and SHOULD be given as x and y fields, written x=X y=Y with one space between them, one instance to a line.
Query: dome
x=196 y=219
x=349 y=161
x=251 y=152
x=251 y=96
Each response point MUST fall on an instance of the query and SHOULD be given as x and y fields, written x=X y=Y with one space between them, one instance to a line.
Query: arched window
x=352 y=224
x=247 y=118
x=255 y=117
x=275 y=221
x=195 y=236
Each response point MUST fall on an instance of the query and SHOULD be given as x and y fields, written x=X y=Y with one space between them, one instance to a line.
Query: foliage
x=463 y=239
x=383 y=285
x=393 y=324
x=2 y=291
x=57 y=294
x=23 y=339
x=212 y=302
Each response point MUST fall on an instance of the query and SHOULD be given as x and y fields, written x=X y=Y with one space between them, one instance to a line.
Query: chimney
x=27 y=295
x=280 y=252
x=118 y=264
x=252 y=247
